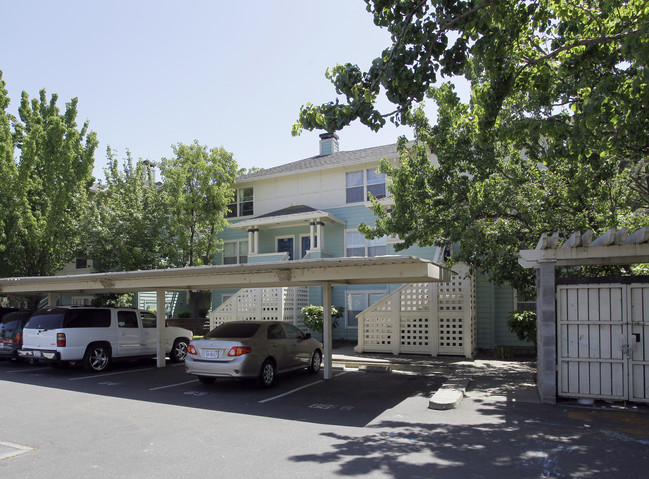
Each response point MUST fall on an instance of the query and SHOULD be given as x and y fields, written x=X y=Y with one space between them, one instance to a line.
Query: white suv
x=94 y=336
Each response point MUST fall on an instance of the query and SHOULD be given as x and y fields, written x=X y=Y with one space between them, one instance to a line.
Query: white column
x=256 y=235
x=160 y=328
x=320 y=236
x=251 y=244
x=51 y=299
x=312 y=235
x=327 y=329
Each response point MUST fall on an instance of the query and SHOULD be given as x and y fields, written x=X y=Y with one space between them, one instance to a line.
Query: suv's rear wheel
x=97 y=358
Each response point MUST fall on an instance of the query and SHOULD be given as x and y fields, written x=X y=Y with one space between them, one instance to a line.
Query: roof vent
x=328 y=144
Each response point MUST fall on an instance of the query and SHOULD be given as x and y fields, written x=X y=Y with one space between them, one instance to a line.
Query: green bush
x=523 y=325
x=314 y=316
x=184 y=315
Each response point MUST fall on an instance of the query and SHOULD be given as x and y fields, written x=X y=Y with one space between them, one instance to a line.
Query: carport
x=316 y=272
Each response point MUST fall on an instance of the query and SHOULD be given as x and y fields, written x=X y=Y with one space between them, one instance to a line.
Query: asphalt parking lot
x=140 y=421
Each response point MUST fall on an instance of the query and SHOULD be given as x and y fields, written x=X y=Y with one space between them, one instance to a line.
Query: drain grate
x=9 y=450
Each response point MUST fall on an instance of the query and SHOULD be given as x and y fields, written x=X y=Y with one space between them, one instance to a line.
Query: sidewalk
x=512 y=380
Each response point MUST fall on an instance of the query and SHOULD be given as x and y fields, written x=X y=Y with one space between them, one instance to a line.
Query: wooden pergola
x=615 y=247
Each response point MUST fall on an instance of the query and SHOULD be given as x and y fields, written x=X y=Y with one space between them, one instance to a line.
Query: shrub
x=184 y=315
x=314 y=317
x=523 y=324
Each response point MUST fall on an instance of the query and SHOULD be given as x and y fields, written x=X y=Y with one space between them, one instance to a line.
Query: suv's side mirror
x=307 y=336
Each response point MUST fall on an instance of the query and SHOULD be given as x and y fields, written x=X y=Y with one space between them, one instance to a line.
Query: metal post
x=327 y=329
x=160 y=325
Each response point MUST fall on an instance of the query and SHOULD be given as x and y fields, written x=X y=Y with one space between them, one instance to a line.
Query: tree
x=553 y=138
x=314 y=317
x=198 y=188
x=130 y=207
x=45 y=189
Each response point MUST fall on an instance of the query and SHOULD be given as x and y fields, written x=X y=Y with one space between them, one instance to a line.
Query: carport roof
x=312 y=272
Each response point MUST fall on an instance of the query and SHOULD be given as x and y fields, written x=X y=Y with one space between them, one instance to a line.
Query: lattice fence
x=266 y=304
x=432 y=318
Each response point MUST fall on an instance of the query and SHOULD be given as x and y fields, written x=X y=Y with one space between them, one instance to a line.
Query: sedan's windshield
x=233 y=331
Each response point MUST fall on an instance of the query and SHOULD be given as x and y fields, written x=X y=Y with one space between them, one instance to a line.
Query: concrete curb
x=450 y=395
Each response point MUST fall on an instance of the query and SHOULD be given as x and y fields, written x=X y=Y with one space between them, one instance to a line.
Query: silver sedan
x=252 y=349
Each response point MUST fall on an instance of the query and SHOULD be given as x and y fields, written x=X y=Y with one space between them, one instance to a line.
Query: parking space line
x=297 y=389
x=173 y=385
x=97 y=376
x=26 y=370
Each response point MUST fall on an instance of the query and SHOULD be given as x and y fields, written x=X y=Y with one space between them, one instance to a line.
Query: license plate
x=212 y=354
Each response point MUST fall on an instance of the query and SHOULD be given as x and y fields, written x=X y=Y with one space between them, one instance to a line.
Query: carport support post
x=51 y=299
x=160 y=327
x=327 y=328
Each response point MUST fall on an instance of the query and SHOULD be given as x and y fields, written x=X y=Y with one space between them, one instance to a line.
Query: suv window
x=126 y=319
x=87 y=318
x=52 y=319
x=148 y=319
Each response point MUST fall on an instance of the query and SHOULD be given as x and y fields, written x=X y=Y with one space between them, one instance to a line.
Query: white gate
x=602 y=352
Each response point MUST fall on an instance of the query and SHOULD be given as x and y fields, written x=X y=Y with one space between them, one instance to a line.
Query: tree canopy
x=128 y=206
x=553 y=138
x=198 y=188
x=45 y=187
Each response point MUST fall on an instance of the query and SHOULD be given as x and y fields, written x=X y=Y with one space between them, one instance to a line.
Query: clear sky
x=152 y=73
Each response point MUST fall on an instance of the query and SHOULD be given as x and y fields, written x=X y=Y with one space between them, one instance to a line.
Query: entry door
x=285 y=245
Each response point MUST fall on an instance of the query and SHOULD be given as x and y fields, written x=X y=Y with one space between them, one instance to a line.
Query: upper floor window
x=361 y=184
x=235 y=252
x=357 y=245
x=242 y=205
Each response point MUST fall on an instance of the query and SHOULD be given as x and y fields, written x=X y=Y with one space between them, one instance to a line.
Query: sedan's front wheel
x=316 y=362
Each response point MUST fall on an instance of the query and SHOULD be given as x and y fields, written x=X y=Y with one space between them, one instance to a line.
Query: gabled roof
x=321 y=162
x=291 y=216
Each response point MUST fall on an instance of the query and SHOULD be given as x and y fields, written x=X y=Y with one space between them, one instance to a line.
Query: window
x=357 y=303
x=357 y=245
x=235 y=252
x=242 y=205
x=127 y=319
x=82 y=262
x=148 y=319
x=360 y=185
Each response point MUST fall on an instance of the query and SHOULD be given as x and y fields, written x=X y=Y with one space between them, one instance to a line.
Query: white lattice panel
x=415 y=334
x=266 y=304
x=378 y=333
x=451 y=335
x=417 y=297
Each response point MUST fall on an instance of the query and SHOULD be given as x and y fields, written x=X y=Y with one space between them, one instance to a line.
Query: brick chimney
x=328 y=144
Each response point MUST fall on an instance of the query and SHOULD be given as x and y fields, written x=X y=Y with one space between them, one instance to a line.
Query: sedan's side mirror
x=307 y=336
